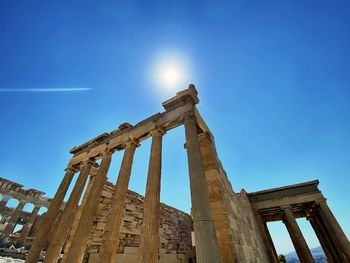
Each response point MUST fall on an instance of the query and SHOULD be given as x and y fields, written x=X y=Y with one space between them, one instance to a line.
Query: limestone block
x=101 y=225
x=162 y=251
x=131 y=250
x=127 y=258
x=106 y=194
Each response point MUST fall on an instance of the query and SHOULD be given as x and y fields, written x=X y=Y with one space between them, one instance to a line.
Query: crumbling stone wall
x=175 y=243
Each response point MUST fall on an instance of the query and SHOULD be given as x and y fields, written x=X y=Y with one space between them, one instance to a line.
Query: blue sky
x=273 y=79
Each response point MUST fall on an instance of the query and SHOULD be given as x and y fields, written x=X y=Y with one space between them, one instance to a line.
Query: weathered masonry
x=295 y=201
x=12 y=217
x=114 y=225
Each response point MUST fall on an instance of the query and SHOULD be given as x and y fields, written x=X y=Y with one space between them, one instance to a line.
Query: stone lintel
x=95 y=140
x=141 y=131
x=285 y=191
x=285 y=201
x=188 y=96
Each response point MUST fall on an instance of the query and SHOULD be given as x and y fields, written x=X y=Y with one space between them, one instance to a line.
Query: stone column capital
x=188 y=116
x=159 y=131
x=86 y=162
x=132 y=143
x=107 y=153
x=72 y=169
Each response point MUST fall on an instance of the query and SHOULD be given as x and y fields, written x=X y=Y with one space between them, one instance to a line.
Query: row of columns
x=206 y=244
x=329 y=233
x=11 y=224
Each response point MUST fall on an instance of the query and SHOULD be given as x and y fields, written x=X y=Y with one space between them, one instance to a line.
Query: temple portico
x=105 y=222
x=301 y=201
x=11 y=217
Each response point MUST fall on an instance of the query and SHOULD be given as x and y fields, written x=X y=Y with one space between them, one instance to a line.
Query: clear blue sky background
x=273 y=79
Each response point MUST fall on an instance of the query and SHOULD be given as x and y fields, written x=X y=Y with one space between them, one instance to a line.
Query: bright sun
x=170 y=72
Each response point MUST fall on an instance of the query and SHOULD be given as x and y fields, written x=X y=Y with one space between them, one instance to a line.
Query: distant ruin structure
x=114 y=224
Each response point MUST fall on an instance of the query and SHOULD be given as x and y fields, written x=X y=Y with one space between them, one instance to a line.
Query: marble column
x=298 y=240
x=3 y=202
x=28 y=226
x=13 y=221
x=150 y=224
x=324 y=239
x=272 y=250
x=110 y=240
x=50 y=216
x=77 y=249
x=337 y=230
x=60 y=234
x=207 y=250
x=73 y=230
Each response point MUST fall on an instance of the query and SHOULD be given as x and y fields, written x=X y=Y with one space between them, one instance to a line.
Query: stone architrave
x=298 y=240
x=110 y=239
x=3 y=202
x=50 y=216
x=60 y=234
x=13 y=220
x=77 y=248
x=150 y=224
x=28 y=226
x=207 y=250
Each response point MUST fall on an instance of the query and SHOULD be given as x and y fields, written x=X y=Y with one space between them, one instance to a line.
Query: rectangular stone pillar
x=50 y=216
x=110 y=240
x=60 y=234
x=151 y=215
x=3 y=202
x=77 y=249
x=298 y=240
x=13 y=221
x=28 y=226
x=207 y=250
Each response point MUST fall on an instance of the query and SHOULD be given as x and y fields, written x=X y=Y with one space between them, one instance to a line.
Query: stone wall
x=175 y=231
x=237 y=231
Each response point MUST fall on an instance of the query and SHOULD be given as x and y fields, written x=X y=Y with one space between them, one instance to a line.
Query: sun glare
x=170 y=72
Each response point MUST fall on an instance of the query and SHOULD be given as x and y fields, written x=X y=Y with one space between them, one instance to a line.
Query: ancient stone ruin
x=113 y=224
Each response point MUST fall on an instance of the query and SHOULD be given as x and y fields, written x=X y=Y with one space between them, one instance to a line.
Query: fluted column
x=77 y=249
x=60 y=234
x=28 y=226
x=115 y=215
x=3 y=202
x=50 y=216
x=336 y=229
x=13 y=220
x=73 y=230
x=324 y=239
x=207 y=250
x=272 y=250
x=298 y=240
x=150 y=224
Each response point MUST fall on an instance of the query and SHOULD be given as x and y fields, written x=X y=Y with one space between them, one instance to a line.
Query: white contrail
x=45 y=90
